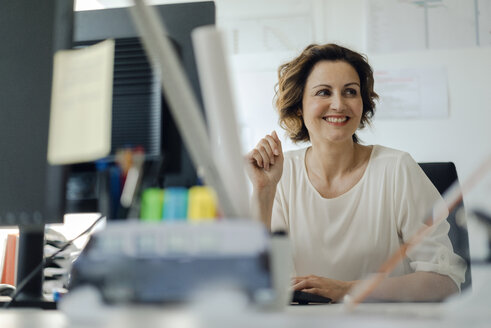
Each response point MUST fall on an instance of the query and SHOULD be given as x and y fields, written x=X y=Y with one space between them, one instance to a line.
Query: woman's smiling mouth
x=336 y=120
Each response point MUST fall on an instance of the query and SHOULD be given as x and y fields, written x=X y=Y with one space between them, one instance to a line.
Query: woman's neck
x=330 y=160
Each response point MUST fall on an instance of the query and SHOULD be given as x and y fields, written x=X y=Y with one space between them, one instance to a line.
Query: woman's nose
x=336 y=101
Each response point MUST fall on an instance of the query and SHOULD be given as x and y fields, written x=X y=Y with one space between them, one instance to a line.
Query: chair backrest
x=443 y=175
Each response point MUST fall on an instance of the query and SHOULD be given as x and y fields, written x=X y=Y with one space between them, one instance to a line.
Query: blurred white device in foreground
x=173 y=262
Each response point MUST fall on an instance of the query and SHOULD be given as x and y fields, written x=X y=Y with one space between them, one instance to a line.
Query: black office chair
x=443 y=174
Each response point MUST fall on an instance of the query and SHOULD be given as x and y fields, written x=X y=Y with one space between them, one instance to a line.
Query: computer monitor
x=31 y=190
x=140 y=113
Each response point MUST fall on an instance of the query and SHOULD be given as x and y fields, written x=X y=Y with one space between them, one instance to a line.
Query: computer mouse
x=304 y=298
x=6 y=290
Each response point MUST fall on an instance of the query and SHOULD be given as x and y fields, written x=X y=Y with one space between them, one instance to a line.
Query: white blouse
x=350 y=236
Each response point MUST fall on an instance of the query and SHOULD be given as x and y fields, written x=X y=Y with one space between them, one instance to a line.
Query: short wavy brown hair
x=292 y=77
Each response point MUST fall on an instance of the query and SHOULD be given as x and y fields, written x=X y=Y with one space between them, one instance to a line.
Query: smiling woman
x=332 y=108
x=346 y=206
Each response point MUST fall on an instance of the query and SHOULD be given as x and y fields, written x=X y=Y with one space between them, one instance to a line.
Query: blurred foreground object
x=453 y=197
x=443 y=175
x=485 y=219
x=172 y=262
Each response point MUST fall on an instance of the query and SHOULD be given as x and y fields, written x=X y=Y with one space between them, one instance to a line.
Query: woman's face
x=332 y=106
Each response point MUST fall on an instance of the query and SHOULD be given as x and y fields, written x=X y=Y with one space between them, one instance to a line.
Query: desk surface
x=366 y=315
x=468 y=310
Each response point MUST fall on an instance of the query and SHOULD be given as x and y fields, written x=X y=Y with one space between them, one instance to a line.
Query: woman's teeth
x=336 y=119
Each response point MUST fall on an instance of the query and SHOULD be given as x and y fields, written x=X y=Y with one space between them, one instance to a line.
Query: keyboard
x=304 y=298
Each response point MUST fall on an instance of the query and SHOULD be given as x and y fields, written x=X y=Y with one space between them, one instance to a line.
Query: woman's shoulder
x=387 y=155
x=386 y=159
x=396 y=168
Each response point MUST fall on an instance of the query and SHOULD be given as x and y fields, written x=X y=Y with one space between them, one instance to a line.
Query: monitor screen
x=31 y=191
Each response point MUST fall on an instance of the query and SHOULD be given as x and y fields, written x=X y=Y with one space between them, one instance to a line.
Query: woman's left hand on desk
x=332 y=288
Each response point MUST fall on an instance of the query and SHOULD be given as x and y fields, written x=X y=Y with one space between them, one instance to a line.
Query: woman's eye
x=351 y=92
x=323 y=92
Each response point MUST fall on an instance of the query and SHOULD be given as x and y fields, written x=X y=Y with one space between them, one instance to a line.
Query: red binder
x=10 y=260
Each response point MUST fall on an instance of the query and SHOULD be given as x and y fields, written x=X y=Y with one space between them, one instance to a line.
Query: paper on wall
x=412 y=93
x=80 y=122
x=398 y=26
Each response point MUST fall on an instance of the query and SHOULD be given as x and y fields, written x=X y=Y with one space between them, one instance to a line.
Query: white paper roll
x=220 y=111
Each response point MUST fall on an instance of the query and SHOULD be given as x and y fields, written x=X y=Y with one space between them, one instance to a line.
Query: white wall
x=463 y=137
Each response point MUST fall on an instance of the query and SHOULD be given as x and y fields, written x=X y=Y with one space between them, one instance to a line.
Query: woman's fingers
x=312 y=290
x=266 y=150
x=299 y=285
x=273 y=144
x=260 y=157
x=266 y=153
x=310 y=281
x=305 y=283
x=300 y=278
x=278 y=142
x=256 y=157
x=334 y=289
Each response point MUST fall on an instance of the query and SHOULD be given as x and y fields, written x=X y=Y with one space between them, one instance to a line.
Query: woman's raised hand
x=265 y=162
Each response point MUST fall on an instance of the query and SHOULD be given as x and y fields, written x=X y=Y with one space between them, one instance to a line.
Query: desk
x=459 y=313
x=366 y=315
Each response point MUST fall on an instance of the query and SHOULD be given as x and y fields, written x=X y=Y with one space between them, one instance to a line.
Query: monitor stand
x=30 y=255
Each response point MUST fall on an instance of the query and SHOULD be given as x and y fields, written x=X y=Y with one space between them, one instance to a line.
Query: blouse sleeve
x=415 y=197
x=278 y=218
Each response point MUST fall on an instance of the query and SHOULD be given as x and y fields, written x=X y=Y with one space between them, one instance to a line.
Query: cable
x=47 y=261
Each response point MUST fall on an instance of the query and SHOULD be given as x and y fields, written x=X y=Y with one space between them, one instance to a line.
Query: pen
x=133 y=178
